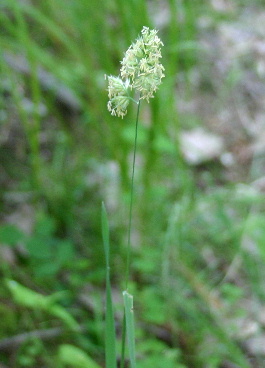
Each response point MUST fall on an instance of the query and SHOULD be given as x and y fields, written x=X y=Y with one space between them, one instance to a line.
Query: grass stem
x=128 y=260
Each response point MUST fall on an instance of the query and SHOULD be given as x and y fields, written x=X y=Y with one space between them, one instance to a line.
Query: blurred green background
x=198 y=231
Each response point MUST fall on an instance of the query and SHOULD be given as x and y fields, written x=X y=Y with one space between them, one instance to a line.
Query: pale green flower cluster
x=118 y=96
x=141 y=63
x=140 y=70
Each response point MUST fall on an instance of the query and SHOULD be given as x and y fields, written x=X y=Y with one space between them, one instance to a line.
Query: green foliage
x=157 y=354
x=151 y=296
x=33 y=300
x=29 y=353
x=11 y=235
x=71 y=356
x=48 y=254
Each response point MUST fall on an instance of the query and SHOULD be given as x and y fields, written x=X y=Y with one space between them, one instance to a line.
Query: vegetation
x=197 y=232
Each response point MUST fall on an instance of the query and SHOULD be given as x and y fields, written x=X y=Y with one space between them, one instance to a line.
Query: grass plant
x=141 y=71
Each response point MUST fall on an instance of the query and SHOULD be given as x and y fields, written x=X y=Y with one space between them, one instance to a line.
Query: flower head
x=140 y=70
x=118 y=96
x=141 y=63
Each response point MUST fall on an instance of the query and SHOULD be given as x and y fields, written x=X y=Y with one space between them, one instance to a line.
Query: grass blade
x=128 y=305
x=110 y=337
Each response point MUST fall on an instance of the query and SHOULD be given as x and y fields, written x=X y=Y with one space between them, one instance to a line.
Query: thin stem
x=132 y=99
x=128 y=261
